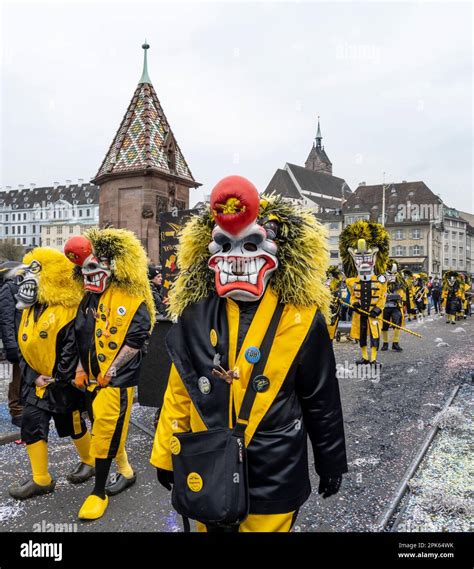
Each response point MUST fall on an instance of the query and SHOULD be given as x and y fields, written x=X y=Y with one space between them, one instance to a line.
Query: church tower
x=144 y=172
x=318 y=160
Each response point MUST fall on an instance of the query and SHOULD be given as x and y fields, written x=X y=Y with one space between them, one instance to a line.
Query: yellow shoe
x=93 y=508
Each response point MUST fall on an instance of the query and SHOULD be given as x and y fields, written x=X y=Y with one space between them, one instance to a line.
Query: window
x=48 y=230
x=453 y=234
x=13 y=230
x=415 y=216
x=334 y=225
x=24 y=240
x=399 y=234
x=398 y=251
x=34 y=240
x=60 y=241
x=333 y=240
x=24 y=229
x=88 y=213
x=6 y=217
x=33 y=228
x=446 y=234
x=13 y=217
x=416 y=250
x=18 y=240
x=48 y=242
x=6 y=230
x=446 y=262
x=80 y=213
x=461 y=250
x=453 y=262
x=454 y=249
x=60 y=230
x=70 y=229
x=416 y=234
x=400 y=216
x=24 y=217
x=349 y=220
x=461 y=262
x=334 y=254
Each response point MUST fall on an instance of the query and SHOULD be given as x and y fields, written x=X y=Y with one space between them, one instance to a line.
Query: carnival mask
x=96 y=272
x=28 y=280
x=364 y=259
x=243 y=252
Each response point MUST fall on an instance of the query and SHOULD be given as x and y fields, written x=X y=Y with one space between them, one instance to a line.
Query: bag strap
x=250 y=393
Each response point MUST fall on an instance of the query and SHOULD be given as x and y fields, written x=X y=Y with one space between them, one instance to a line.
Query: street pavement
x=386 y=420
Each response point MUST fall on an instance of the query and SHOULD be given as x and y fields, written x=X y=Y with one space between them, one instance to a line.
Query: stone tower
x=144 y=172
x=318 y=159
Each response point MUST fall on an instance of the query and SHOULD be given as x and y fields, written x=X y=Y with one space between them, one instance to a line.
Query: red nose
x=234 y=203
x=77 y=249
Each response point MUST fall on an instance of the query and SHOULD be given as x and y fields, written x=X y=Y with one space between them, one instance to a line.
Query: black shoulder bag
x=210 y=467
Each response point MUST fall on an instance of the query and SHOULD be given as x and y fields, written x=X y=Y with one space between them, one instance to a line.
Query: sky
x=242 y=84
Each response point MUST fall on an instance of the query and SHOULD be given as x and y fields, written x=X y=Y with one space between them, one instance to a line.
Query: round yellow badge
x=194 y=482
x=175 y=445
x=213 y=337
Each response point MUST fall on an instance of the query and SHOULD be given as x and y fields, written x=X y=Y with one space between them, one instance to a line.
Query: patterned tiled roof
x=144 y=140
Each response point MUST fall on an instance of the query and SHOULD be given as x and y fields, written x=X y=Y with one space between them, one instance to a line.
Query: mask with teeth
x=392 y=273
x=243 y=252
x=364 y=259
x=96 y=272
x=28 y=280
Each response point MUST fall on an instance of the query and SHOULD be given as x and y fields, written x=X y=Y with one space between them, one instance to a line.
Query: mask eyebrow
x=255 y=238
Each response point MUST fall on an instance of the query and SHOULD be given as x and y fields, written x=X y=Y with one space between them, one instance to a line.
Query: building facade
x=413 y=217
x=455 y=241
x=144 y=172
x=56 y=234
x=25 y=211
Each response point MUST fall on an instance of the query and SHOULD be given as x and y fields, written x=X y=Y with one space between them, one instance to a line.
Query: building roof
x=282 y=184
x=319 y=182
x=144 y=140
x=76 y=194
x=367 y=199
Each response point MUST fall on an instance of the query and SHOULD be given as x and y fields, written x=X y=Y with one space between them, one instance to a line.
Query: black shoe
x=29 y=489
x=453 y=323
x=384 y=347
x=396 y=346
x=81 y=473
x=375 y=363
x=119 y=483
x=362 y=361
x=17 y=421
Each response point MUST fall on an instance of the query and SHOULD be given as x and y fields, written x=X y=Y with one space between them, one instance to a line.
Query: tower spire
x=145 y=78
x=318 y=136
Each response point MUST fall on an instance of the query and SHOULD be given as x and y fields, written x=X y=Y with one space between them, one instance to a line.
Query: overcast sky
x=242 y=84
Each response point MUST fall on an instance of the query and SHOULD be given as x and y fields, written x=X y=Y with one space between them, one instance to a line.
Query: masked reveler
x=393 y=309
x=112 y=324
x=451 y=296
x=467 y=296
x=410 y=305
x=420 y=293
x=251 y=294
x=48 y=297
x=334 y=282
x=364 y=252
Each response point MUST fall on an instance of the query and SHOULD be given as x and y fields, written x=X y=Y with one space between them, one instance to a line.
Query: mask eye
x=250 y=246
x=35 y=267
x=226 y=247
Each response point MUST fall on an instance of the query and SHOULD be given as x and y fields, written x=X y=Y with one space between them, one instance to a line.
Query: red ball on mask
x=77 y=249
x=234 y=203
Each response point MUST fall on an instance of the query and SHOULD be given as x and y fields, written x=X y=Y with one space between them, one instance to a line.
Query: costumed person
x=364 y=251
x=393 y=310
x=410 y=304
x=334 y=282
x=9 y=323
x=451 y=297
x=156 y=278
x=420 y=293
x=48 y=297
x=467 y=296
x=436 y=294
x=112 y=324
x=251 y=357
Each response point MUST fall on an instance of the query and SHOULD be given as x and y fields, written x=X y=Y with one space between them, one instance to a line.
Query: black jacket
x=9 y=317
x=308 y=404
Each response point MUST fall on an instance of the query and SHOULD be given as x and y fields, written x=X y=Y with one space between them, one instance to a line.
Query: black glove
x=12 y=355
x=165 y=478
x=329 y=485
x=356 y=306
x=375 y=312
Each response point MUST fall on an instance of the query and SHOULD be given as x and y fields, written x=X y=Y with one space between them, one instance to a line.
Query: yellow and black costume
x=49 y=298
x=221 y=324
x=393 y=310
x=335 y=282
x=451 y=296
x=420 y=293
x=113 y=322
x=364 y=251
x=409 y=303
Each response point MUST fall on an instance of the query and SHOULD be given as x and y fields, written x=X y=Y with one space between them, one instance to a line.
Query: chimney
x=55 y=184
x=68 y=183
x=80 y=181
x=362 y=183
x=404 y=182
x=21 y=186
x=8 y=188
x=32 y=186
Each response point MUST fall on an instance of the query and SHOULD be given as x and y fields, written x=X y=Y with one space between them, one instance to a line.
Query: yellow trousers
x=271 y=523
x=111 y=410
